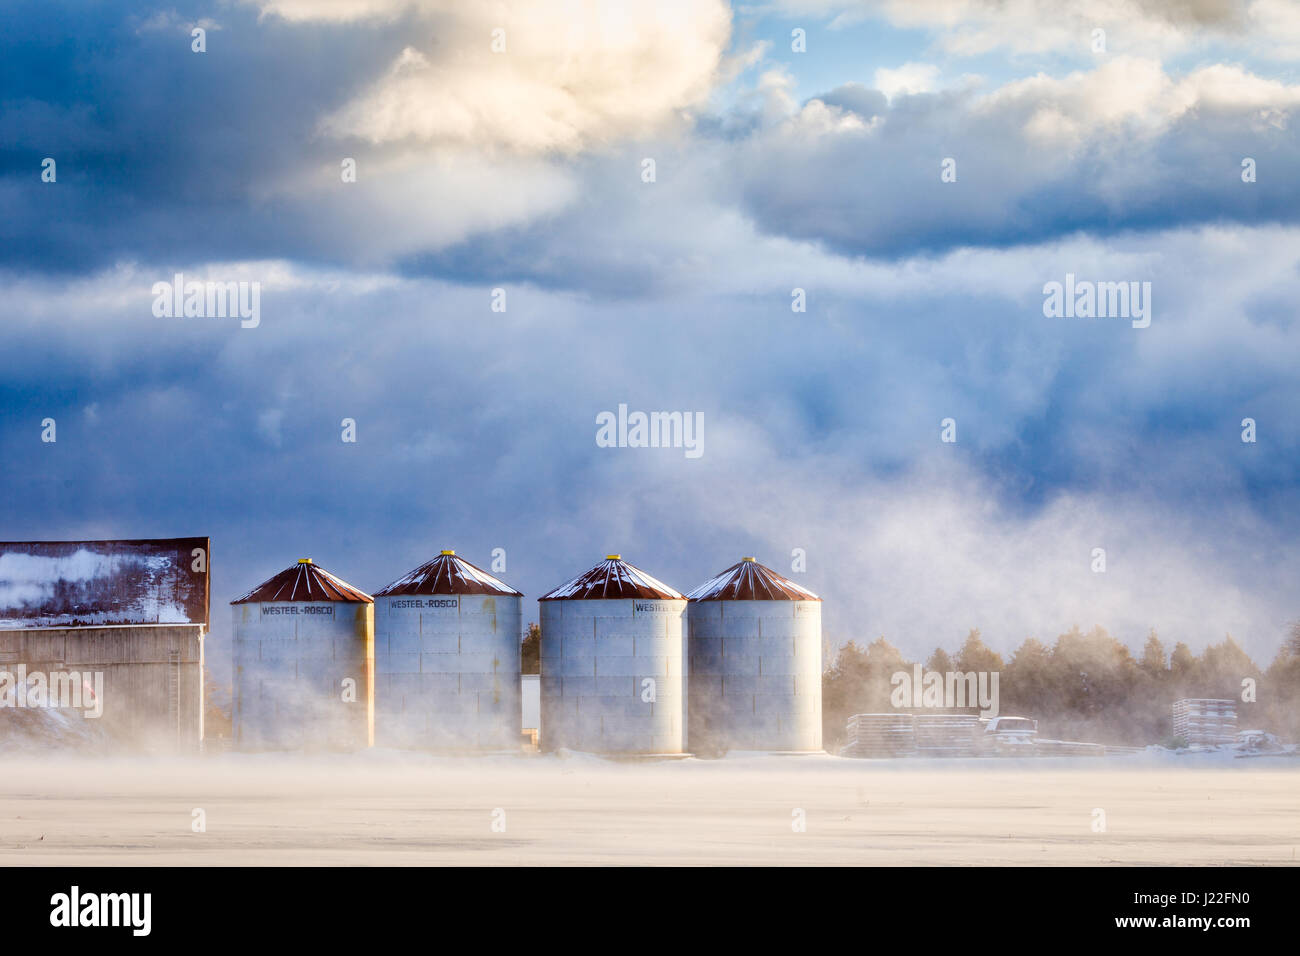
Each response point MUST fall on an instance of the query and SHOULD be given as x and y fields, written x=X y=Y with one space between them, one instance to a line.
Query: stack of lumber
x=946 y=735
x=1205 y=722
x=880 y=735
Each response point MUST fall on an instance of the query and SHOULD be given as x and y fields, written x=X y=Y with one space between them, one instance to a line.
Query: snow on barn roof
x=613 y=578
x=750 y=581
x=304 y=581
x=58 y=584
x=448 y=574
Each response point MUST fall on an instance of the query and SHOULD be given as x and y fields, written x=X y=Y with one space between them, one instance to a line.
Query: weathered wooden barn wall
x=152 y=677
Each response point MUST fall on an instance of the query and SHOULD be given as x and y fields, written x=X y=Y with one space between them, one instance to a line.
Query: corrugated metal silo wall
x=530 y=686
x=152 y=683
x=595 y=657
x=291 y=660
x=755 y=675
x=447 y=671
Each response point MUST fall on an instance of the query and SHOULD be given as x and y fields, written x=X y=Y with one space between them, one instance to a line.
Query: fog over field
x=401 y=809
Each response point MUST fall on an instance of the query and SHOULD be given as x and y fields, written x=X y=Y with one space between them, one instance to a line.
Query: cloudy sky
x=796 y=145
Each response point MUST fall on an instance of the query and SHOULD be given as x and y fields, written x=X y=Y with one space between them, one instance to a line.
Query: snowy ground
x=391 y=808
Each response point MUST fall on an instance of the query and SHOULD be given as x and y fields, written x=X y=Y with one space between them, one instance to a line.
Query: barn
x=103 y=641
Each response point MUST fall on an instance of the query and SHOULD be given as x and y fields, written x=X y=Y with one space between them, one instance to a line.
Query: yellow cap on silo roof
x=751 y=560
x=449 y=552
x=304 y=560
x=613 y=557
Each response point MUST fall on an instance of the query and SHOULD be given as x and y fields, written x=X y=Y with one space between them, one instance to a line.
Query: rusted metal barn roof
x=63 y=584
x=612 y=579
x=750 y=581
x=304 y=581
x=448 y=574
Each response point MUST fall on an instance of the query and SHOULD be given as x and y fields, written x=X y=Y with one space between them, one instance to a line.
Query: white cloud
x=1139 y=93
x=572 y=75
x=1147 y=27
x=907 y=79
x=1124 y=143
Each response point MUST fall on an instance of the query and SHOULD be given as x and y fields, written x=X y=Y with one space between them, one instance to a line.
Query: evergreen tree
x=1183 y=669
x=976 y=656
x=530 y=660
x=939 y=662
x=1223 y=666
x=1154 y=660
x=1095 y=677
x=1025 y=686
x=1280 y=694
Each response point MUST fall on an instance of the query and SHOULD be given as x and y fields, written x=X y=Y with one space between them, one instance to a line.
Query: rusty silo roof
x=306 y=582
x=612 y=579
x=448 y=574
x=750 y=581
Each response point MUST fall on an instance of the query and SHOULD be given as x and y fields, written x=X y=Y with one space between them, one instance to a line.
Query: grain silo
x=612 y=661
x=754 y=641
x=447 y=659
x=304 y=657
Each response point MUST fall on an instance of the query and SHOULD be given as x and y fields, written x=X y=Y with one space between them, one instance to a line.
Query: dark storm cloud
x=163 y=153
x=866 y=180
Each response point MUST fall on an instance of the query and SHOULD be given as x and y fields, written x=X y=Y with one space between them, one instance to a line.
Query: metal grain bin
x=612 y=661
x=304 y=663
x=754 y=640
x=447 y=659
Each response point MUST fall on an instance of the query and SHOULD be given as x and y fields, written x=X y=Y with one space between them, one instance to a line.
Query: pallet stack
x=880 y=735
x=1205 y=722
x=946 y=735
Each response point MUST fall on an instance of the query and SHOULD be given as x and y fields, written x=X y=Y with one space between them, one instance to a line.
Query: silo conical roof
x=306 y=582
x=612 y=579
x=448 y=574
x=750 y=581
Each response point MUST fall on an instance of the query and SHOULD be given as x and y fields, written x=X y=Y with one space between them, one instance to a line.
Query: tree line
x=1085 y=686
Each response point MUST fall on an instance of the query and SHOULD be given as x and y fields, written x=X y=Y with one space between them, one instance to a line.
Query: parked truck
x=1009 y=735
